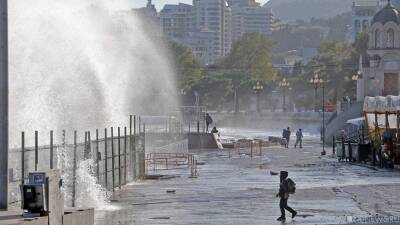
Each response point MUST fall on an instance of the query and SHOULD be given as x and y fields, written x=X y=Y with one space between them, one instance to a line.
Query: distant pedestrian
x=209 y=120
x=299 y=139
x=286 y=135
x=214 y=130
x=286 y=187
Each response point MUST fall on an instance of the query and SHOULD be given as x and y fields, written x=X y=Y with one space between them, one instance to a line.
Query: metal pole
x=51 y=150
x=316 y=98
x=134 y=166
x=23 y=157
x=112 y=159
x=97 y=156
x=74 y=171
x=323 y=117
x=105 y=159
x=36 y=151
x=3 y=105
x=125 y=137
x=119 y=157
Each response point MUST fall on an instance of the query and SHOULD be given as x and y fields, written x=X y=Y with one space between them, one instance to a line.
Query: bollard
x=350 y=152
x=112 y=159
x=36 y=150
x=333 y=145
x=198 y=126
x=74 y=171
x=251 y=149
x=51 y=149
x=119 y=157
x=105 y=159
x=23 y=157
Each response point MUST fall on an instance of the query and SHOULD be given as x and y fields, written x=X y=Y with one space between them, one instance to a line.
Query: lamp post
x=284 y=85
x=257 y=89
x=316 y=81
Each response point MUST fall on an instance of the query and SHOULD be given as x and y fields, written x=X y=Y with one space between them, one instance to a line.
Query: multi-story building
x=248 y=16
x=362 y=13
x=215 y=16
x=208 y=27
x=177 y=20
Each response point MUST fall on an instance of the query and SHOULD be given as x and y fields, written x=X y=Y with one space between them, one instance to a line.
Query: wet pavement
x=241 y=190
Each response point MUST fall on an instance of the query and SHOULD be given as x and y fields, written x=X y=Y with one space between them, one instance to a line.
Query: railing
x=111 y=158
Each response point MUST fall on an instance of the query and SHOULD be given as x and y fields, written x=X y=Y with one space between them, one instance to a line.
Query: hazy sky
x=160 y=3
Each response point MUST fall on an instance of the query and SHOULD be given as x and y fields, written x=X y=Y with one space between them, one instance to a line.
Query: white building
x=248 y=16
x=380 y=74
x=215 y=16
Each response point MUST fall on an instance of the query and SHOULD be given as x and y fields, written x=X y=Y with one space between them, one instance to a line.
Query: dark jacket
x=284 y=189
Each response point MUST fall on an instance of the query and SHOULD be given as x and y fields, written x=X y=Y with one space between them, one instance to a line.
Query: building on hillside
x=380 y=70
x=177 y=21
x=362 y=13
x=248 y=16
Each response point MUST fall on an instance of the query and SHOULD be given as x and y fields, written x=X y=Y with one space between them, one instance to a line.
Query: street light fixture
x=257 y=89
x=316 y=81
x=357 y=76
x=284 y=85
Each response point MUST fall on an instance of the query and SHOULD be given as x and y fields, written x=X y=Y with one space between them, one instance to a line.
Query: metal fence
x=113 y=157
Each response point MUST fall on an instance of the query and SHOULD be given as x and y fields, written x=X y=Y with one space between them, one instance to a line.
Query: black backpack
x=291 y=186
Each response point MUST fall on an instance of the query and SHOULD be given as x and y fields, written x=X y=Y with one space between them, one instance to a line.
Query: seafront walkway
x=241 y=190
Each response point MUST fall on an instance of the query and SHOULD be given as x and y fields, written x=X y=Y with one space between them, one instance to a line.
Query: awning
x=357 y=121
x=382 y=104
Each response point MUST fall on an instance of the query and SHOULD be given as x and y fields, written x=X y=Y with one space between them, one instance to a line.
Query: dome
x=387 y=14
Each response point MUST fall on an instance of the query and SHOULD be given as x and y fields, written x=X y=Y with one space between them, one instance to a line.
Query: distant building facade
x=248 y=16
x=209 y=27
x=362 y=13
x=380 y=69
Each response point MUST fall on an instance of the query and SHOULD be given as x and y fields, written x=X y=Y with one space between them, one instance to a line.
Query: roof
x=382 y=104
x=387 y=14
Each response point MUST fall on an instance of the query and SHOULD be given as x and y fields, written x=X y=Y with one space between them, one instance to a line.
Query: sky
x=160 y=3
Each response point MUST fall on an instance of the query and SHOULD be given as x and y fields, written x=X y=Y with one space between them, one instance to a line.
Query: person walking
x=287 y=137
x=299 y=139
x=209 y=121
x=286 y=187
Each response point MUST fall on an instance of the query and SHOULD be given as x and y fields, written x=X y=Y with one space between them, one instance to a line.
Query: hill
x=291 y=10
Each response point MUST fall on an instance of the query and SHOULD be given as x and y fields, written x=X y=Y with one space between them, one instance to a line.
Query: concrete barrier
x=202 y=141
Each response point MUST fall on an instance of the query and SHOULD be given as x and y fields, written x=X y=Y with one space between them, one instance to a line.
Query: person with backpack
x=287 y=186
x=208 y=120
x=286 y=135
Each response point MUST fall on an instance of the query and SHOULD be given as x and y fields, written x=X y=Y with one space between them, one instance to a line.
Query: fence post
x=51 y=150
x=85 y=146
x=125 y=132
x=97 y=156
x=89 y=150
x=260 y=144
x=134 y=165
x=36 y=150
x=105 y=159
x=23 y=157
x=130 y=145
x=112 y=159
x=198 y=126
x=119 y=157
x=74 y=171
x=143 y=158
x=140 y=125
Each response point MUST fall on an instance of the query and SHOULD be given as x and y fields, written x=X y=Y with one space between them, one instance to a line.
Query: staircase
x=338 y=121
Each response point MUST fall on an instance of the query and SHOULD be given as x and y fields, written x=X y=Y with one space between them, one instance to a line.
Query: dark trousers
x=287 y=142
x=283 y=205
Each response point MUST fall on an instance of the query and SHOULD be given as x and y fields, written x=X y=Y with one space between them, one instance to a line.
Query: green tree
x=189 y=70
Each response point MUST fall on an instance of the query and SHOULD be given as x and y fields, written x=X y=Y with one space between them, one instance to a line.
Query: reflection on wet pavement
x=241 y=190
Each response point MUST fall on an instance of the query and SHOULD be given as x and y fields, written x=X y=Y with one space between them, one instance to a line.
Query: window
x=377 y=38
x=390 y=38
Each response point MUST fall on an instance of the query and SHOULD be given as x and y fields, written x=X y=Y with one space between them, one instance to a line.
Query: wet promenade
x=240 y=190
